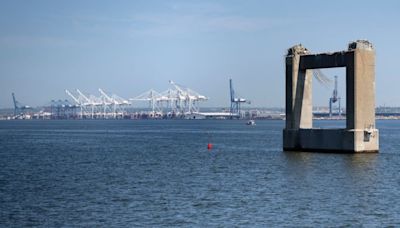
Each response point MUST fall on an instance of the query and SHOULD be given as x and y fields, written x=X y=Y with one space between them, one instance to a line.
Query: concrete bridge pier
x=360 y=134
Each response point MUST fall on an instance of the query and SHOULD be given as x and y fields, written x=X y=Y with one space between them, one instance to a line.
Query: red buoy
x=209 y=146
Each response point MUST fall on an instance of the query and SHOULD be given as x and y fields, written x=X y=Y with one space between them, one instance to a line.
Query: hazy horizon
x=129 y=47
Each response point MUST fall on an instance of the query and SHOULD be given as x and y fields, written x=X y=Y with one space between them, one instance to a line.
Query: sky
x=129 y=47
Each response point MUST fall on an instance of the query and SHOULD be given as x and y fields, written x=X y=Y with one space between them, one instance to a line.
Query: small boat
x=251 y=122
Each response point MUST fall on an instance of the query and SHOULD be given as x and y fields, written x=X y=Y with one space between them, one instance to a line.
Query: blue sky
x=128 y=47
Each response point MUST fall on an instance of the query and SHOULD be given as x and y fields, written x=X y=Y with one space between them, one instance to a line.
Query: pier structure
x=360 y=134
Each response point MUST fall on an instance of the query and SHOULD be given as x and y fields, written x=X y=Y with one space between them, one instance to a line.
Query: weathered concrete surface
x=298 y=92
x=330 y=140
x=360 y=134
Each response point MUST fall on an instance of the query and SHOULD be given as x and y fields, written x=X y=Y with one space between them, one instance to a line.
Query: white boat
x=251 y=122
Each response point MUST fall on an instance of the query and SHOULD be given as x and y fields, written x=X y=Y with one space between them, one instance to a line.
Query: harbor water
x=153 y=173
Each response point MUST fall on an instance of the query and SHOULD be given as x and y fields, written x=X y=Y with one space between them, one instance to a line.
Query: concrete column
x=298 y=91
x=364 y=89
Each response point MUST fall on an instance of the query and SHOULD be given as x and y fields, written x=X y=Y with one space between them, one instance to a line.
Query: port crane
x=153 y=97
x=188 y=97
x=18 y=107
x=235 y=101
x=79 y=102
x=105 y=105
x=335 y=98
x=179 y=99
x=113 y=102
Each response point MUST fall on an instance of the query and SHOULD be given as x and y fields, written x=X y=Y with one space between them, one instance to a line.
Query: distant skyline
x=129 y=47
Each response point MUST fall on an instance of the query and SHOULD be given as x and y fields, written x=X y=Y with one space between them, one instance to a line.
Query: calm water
x=159 y=173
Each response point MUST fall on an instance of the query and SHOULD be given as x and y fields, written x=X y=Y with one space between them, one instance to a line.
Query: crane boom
x=105 y=95
x=83 y=95
x=335 y=91
x=231 y=90
x=15 y=101
x=177 y=87
x=72 y=96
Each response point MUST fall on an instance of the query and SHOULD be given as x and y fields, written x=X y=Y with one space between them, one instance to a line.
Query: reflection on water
x=357 y=162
